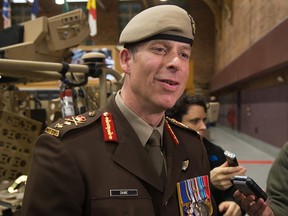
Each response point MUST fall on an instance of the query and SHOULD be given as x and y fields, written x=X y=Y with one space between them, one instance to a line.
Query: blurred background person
x=192 y=112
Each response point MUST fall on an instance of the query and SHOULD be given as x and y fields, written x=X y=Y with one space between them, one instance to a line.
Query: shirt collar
x=142 y=129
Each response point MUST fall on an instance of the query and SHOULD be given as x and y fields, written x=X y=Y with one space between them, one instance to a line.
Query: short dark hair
x=182 y=105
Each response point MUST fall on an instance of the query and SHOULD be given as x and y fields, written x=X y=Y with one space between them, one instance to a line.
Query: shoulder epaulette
x=63 y=125
x=181 y=125
x=177 y=123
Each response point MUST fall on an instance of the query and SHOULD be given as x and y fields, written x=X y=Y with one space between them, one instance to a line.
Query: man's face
x=195 y=119
x=157 y=73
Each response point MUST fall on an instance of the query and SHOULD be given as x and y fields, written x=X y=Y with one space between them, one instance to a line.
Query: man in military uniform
x=97 y=163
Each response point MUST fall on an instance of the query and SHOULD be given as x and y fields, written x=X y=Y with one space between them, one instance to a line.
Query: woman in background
x=192 y=112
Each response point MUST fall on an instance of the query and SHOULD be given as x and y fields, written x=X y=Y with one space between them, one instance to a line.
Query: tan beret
x=168 y=22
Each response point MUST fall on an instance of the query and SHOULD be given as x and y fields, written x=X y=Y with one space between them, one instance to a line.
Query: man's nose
x=174 y=61
x=203 y=125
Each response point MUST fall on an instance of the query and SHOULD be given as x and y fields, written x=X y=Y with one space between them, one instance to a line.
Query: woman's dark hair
x=182 y=105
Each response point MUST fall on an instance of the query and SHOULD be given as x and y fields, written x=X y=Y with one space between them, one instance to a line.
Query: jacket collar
x=131 y=155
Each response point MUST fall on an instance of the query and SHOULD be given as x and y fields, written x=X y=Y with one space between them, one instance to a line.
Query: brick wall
x=204 y=44
x=107 y=24
x=252 y=19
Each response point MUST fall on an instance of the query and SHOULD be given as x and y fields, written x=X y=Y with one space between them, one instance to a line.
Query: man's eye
x=185 y=55
x=195 y=121
x=159 y=49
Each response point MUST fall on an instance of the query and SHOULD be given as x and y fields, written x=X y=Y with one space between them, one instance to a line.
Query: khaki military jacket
x=277 y=188
x=97 y=166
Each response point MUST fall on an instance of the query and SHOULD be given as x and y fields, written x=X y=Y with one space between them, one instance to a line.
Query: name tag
x=124 y=192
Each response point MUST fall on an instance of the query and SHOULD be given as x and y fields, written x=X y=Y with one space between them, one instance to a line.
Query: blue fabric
x=213 y=158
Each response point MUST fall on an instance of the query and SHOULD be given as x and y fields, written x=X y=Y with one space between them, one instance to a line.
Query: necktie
x=154 y=151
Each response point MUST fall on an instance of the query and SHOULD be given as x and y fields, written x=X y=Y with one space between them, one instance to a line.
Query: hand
x=253 y=207
x=220 y=176
x=230 y=208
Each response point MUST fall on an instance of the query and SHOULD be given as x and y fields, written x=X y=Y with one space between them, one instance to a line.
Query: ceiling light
x=31 y=1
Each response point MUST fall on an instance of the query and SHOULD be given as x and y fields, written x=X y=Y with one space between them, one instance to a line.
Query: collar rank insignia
x=194 y=196
x=52 y=131
x=108 y=127
x=176 y=141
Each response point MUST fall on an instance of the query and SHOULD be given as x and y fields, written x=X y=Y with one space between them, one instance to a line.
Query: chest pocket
x=122 y=196
x=122 y=206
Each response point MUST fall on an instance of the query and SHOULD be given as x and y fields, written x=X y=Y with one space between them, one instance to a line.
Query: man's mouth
x=170 y=82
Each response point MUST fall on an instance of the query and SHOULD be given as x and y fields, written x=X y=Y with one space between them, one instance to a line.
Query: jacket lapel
x=175 y=155
x=132 y=156
x=130 y=153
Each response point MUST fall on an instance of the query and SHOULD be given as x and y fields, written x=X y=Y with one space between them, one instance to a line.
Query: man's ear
x=125 y=60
